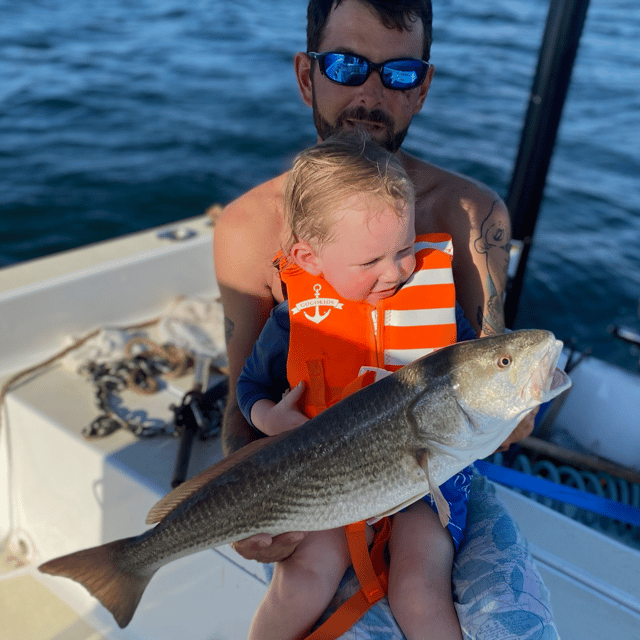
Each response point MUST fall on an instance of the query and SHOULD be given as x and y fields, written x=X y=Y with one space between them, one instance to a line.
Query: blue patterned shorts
x=456 y=492
x=497 y=590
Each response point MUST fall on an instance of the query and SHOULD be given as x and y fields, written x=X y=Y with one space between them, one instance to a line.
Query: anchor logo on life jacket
x=317 y=302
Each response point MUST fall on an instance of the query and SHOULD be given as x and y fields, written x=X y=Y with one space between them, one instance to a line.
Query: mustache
x=376 y=116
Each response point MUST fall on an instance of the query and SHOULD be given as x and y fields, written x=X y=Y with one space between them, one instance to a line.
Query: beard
x=391 y=141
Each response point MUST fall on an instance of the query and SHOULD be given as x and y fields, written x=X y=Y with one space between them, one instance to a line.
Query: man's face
x=384 y=113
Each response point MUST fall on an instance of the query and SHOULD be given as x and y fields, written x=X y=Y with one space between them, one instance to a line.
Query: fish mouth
x=546 y=380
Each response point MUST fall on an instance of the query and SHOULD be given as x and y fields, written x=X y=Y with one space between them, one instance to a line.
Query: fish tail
x=97 y=569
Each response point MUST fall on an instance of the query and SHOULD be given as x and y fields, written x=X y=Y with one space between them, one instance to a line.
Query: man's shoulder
x=259 y=207
x=444 y=197
x=247 y=237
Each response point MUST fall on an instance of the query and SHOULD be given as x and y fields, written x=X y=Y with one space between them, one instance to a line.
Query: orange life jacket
x=332 y=338
x=333 y=341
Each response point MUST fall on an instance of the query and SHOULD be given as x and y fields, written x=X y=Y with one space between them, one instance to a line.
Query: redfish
x=370 y=455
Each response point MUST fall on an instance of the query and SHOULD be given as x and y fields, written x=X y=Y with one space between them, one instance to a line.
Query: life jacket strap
x=370 y=566
x=372 y=570
x=320 y=395
x=316 y=389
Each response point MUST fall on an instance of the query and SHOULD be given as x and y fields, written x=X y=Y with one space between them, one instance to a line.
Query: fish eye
x=504 y=361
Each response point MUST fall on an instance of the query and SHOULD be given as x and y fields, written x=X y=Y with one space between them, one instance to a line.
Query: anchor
x=317 y=317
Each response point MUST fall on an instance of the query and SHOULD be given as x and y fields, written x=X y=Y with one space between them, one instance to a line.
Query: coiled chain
x=139 y=371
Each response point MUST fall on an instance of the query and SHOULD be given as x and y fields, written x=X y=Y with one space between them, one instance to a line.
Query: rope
x=591 y=499
x=9 y=384
x=144 y=361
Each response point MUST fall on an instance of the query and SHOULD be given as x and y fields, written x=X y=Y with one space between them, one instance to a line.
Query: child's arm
x=262 y=389
x=273 y=418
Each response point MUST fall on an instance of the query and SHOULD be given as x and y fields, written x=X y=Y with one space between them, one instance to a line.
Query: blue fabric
x=264 y=374
x=464 y=330
x=456 y=492
x=497 y=590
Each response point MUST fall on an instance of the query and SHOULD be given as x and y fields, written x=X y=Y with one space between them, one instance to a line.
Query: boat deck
x=62 y=492
x=70 y=493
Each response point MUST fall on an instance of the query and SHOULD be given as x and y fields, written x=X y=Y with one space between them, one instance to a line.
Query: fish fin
x=97 y=570
x=166 y=505
x=444 y=512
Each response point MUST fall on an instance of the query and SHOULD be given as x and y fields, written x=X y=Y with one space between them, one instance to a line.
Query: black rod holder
x=565 y=22
x=200 y=415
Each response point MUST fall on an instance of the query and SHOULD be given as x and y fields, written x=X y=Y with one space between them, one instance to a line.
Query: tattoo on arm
x=493 y=242
x=232 y=444
x=492 y=323
x=229 y=326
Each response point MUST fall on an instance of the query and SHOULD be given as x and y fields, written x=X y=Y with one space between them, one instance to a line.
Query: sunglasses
x=352 y=70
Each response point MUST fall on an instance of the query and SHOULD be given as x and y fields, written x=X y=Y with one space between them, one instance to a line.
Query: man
x=376 y=98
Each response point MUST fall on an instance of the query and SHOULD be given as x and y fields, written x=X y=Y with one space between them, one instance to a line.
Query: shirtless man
x=249 y=232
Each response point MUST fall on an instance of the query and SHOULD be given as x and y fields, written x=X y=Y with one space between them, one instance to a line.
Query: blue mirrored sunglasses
x=352 y=70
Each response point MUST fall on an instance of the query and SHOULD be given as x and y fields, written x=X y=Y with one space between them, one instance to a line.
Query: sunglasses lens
x=352 y=70
x=403 y=74
x=345 y=69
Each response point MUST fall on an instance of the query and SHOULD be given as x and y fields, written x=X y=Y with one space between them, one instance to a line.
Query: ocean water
x=122 y=115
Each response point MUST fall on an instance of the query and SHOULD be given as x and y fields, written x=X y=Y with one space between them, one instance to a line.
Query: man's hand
x=264 y=548
x=524 y=429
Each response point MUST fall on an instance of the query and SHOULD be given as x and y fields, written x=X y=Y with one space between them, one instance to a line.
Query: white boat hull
x=602 y=412
x=62 y=492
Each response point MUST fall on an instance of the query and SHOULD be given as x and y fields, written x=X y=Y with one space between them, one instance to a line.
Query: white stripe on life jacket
x=419 y=317
x=401 y=357
x=445 y=246
x=429 y=276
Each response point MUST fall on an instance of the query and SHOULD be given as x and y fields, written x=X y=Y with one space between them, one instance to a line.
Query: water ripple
x=128 y=114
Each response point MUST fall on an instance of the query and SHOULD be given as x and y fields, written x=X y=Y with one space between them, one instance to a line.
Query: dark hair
x=394 y=14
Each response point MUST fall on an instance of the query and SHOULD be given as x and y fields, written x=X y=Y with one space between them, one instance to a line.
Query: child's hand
x=272 y=418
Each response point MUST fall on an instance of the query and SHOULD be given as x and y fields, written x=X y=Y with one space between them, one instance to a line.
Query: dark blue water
x=121 y=115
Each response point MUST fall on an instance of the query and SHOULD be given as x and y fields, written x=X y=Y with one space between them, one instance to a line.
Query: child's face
x=373 y=250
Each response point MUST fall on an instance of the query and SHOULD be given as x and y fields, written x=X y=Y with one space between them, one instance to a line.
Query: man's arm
x=479 y=224
x=242 y=256
x=242 y=319
x=482 y=297
x=243 y=272
x=489 y=240
x=246 y=303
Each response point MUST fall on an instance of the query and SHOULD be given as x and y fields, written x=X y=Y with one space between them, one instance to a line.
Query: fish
x=370 y=455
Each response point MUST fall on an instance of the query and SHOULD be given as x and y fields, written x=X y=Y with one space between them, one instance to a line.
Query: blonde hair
x=323 y=176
